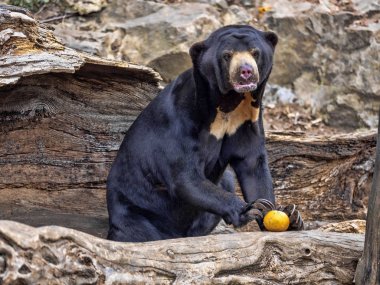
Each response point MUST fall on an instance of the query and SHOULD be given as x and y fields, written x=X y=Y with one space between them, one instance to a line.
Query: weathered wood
x=63 y=256
x=368 y=270
x=350 y=226
x=325 y=184
x=62 y=117
x=328 y=177
x=30 y=48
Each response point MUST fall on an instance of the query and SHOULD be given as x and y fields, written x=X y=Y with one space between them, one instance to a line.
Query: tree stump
x=63 y=256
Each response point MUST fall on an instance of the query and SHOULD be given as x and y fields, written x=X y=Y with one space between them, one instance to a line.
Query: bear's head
x=234 y=58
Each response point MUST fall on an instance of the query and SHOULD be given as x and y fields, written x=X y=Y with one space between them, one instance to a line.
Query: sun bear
x=169 y=178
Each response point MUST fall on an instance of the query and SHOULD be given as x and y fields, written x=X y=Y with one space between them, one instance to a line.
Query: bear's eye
x=227 y=55
x=255 y=53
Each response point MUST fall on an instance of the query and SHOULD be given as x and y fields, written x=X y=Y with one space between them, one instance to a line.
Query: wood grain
x=59 y=134
x=329 y=177
x=62 y=256
x=62 y=116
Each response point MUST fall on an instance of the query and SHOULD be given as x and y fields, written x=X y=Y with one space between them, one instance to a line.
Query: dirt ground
x=293 y=117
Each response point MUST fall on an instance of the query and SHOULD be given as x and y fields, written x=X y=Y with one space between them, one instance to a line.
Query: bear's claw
x=257 y=209
x=296 y=222
x=260 y=207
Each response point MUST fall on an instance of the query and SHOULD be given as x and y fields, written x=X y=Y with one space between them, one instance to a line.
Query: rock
x=171 y=65
x=222 y=4
x=236 y=15
x=121 y=10
x=218 y=3
x=328 y=57
x=275 y=94
x=148 y=37
x=353 y=226
x=365 y=5
x=223 y=228
x=87 y=6
x=155 y=34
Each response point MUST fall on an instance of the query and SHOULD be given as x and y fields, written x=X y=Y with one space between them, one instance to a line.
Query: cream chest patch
x=228 y=123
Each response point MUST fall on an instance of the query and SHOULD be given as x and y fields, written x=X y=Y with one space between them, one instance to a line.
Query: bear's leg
x=134 y=228
x=227 y=182
x=206 y=222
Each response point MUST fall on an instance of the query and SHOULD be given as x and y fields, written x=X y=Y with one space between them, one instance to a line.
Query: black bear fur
x=169 y=178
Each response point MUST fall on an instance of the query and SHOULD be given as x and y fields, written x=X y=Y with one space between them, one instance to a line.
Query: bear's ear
x=196 y=49
x=271 y=37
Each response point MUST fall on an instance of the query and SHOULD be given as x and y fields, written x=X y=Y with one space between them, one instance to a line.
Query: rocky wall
x=327 y=55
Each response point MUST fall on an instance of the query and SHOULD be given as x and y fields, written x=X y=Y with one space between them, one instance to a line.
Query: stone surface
x=155 y=34
x=144 y=33
x=329 y=56
x=84 y=7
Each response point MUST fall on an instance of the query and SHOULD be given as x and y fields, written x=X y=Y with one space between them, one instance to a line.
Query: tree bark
x=63 y=115
x=329 y=177
x=63 y=256
x=368 y=270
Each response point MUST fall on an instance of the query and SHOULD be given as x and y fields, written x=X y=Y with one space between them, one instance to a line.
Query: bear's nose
x=246 y=71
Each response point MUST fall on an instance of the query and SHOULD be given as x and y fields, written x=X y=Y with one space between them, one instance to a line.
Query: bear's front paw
x=262 y=206
x=232 y=218
x=234 y=213
x=253 y=211
x=250 y=215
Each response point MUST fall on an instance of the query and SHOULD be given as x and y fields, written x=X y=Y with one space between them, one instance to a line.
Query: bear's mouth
x=244 y=87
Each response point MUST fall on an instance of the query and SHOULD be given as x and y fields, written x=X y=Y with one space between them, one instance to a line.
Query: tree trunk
x=368 y=270
x=63 y=115
x=62 y=256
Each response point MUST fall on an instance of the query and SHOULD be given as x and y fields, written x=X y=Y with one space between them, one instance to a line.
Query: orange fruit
x=276 y=221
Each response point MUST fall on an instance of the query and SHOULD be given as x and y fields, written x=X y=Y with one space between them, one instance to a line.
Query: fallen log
x=350 y=226
x=329 y=177
x=63 y=256
x=63 y=115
